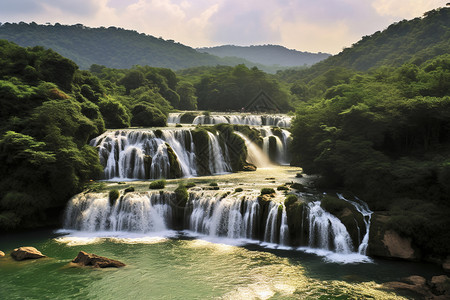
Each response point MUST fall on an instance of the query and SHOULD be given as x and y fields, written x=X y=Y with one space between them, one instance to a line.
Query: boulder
x=248 y=167
x=398 y=246
x=22 y=253
x=440 y=285
x=416 y=284
x=2 y=253
x=446 y=265
x=90 y=259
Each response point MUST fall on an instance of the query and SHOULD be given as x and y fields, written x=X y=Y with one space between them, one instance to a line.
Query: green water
x=186 y=268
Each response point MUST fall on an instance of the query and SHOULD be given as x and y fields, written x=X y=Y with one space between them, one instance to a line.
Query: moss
x=158 y=133
x=113 y=196
x=157 y=184
x=273 y=150
x=267 y=191
x=238 y=190
x=190 y=185
x=290 y=199
x=282 y=188
x=298 y=186
x=128 y=190
x=181 y=195
x=213 y=184
x=201 y=142
x=175 y=168
x=188 y=117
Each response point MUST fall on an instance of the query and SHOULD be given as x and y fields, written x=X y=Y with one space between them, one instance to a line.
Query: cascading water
x=254 y=154
x=364 y=210
x=151 y=154
x=326 y=231
x=241 y=119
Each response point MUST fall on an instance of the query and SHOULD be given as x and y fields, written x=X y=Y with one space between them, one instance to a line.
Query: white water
x=241 y=119
x=363 y=209
x=123 y=154
x=255 y=155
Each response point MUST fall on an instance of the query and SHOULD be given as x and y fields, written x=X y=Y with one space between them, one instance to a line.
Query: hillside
x=415 y=41
x=268 y=55
x=112 y=47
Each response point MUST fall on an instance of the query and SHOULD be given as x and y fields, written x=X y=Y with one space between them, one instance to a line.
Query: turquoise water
x=182 y=267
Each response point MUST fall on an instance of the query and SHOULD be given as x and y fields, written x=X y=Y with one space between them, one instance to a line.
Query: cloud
x=404 y=8
x=319 y=25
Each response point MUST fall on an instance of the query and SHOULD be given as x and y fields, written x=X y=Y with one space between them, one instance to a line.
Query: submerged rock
x=90 y=259
x=22 y=253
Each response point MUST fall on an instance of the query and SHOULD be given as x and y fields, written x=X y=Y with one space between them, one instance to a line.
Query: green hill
x=415 y=41
x=112 y=47
x=268 y=55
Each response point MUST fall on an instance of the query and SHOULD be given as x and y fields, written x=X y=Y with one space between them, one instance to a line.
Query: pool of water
x=178 y=266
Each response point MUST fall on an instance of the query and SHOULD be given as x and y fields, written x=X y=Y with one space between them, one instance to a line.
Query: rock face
x=90 y=259
x=248 y=167
x=397 y=246
x=26 y=253
x=388 y=243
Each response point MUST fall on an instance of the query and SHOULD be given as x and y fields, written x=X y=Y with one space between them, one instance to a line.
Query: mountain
x=112 y=47
x=414 y=41
x=267 y=55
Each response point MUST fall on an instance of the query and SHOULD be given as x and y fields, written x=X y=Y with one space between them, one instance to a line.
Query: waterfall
x=254 y=154
x=363 y=209
x=284 y=228
x=282 y=141
x=174 y=118
x=219 y=163
x=271 y=232
x=238 y=119
x=132 y=212
x=326 y=231
x=153 y=154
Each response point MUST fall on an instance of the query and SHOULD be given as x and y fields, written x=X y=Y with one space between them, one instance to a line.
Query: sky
x=305 y=25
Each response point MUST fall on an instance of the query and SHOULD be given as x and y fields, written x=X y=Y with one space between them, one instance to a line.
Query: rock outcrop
x=22 y=253
x=96 y=261
x=437 y=288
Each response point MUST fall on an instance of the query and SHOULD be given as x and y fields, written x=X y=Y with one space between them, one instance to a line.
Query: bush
x=157 y=184
x=147 y=115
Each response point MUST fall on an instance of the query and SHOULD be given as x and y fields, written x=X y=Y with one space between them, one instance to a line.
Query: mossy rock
x=128 y=190
x=298 y=186
x=298 y=227
x=181 y=195
x=157 y=184
x=147 y=165
x=348 y=215
x=175 y=167
x=235 y=145
x=158 y=133
x=189 y=185
x=188 y=117
x=238 y=190
x=267 y=191
x=113 y=196
x=282 y=188
x=213 y=184
x=201 y=142
x=273 y=150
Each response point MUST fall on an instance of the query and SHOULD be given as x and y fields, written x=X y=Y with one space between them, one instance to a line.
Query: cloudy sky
x=305 y=25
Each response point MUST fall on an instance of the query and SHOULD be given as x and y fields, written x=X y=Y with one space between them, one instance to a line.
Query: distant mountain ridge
x=267 y=54
x=112 y=47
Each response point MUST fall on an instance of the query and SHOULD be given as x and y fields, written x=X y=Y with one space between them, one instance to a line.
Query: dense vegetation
x=268 y=55
x=50 y=110
x=225 y=88
x=113 y=47
x=414 y=40
x=386 y=136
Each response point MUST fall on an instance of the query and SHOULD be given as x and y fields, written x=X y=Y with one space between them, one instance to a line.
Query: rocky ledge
x=93 y=260
x=22 y=253
x=437 y=288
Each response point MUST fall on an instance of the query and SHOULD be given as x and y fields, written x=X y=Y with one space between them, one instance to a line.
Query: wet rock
x=96 y=261
x=441 y=285
x=398 y=246
x=2 y=253
x=415 y=284
x=22 y=253
x=249 y=167
x=446 y=265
